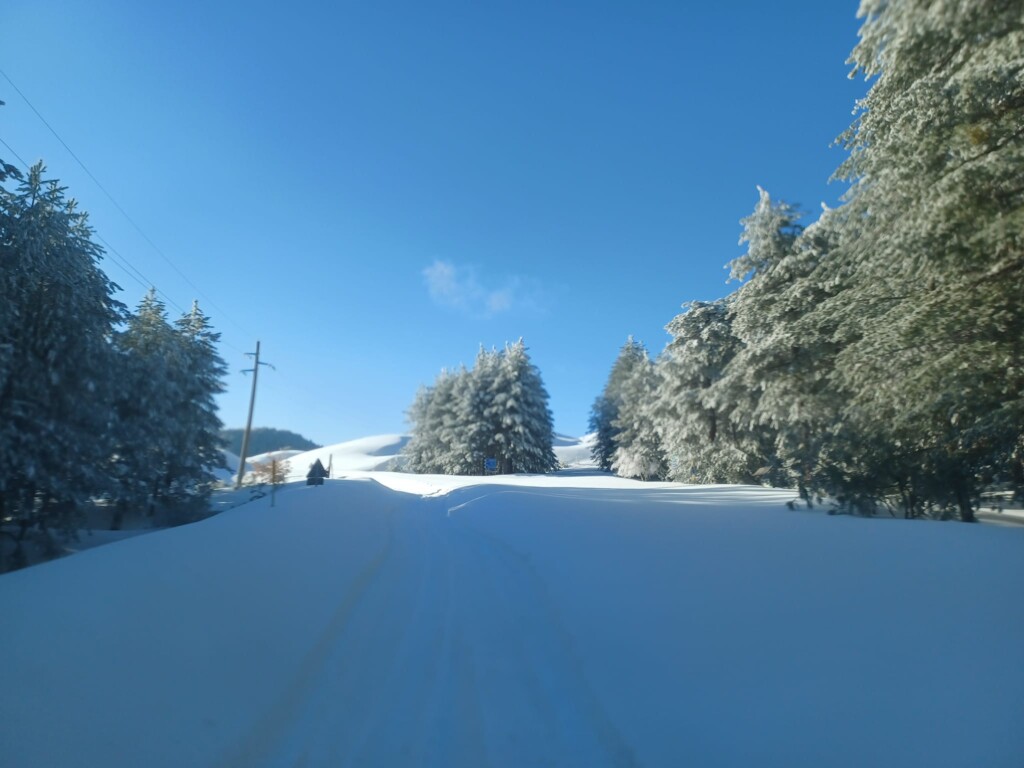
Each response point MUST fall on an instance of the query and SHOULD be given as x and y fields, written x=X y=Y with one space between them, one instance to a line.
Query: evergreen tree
x=458 y=439
x=518 y=414
x=930 y=322
x=499 y=409
x=478 y=421
x=148 y=407
x=57 y=315
x=638 y=451
x=167 y=427
x=431 y=417
x=605 y=411
x=780 y=397
x=419 y=451
x=198 y=435
x=700 y=440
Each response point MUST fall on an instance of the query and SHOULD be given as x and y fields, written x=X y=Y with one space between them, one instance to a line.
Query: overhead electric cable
x=134 y=273
x=117 y=205
x=129 y=269
x=115 y=256
x=9 y=149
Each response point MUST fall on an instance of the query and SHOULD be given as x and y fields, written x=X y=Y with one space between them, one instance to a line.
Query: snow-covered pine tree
x=499 y=410
x=434 y=416
x=782 y=400
x=151 y=393
x=931 y=321
x=477 y=422
x=456 y=437
x=700 y=441
x=418 y=451
x=605 y=410
x=57 y=314
x=198 y=435
x=638 y=451
x=517 y=412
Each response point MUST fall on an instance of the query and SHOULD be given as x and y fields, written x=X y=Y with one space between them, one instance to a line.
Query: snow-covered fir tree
x=199 y=426
x=775 y=383
x=149 y=400
x=167 y=428
x=518 y=413
x=701 y=442
x=605 y=411
x=445 y=432
x=498 y=410
x=57 y=314
x=426 y=451
x=638 y=451
x=931 y=320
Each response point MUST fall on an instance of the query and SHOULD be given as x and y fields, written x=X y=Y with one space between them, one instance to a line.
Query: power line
x=134 y=273
x=130 y=269
x=9 y=149
x=117 y=205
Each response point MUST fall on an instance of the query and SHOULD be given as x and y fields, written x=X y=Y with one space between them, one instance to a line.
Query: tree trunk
x=963 y=502
x=117 y=520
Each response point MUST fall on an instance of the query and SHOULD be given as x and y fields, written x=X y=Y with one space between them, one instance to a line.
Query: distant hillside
x=265 y=440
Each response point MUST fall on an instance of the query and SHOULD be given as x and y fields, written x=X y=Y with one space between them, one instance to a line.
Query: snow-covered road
x=392 y=620
x=444 y=650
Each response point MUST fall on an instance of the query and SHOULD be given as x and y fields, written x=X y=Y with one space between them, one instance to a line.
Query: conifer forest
x=872 y=356
x=98 y=405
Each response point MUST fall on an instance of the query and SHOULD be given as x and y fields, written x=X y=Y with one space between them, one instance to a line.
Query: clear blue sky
x=375 y=189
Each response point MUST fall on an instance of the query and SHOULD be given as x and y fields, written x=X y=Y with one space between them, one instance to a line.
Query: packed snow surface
x=569 y=620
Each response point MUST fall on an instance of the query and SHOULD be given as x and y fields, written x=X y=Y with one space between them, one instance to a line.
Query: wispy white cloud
x=461 y=288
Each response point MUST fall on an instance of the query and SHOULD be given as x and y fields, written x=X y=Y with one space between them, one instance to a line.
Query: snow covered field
x=384 y=452
x=570 y=620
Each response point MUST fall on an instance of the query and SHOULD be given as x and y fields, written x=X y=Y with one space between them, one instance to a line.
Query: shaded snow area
x=229 y=471
x=569 y=620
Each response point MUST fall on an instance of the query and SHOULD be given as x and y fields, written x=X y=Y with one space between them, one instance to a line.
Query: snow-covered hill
x=383 y=453
x=574 y=451
x=569 y=620
x=366 y=454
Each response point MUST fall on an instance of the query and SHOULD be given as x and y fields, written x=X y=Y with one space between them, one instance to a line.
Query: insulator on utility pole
x=255 y=370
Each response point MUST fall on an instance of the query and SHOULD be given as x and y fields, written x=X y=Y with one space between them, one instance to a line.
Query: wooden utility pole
x=255 y=370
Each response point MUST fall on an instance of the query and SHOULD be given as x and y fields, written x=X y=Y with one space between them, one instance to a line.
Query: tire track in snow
x=445 y=652
x=271 y=729
x=561 y=711
x=417 y=712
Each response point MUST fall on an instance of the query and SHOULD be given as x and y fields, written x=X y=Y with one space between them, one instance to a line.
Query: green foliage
x=167 y=428
x=90 y=410
x=701 y=440
x=933 y=254
x=877 y=356
x=57 y=370
x=605 y=412
x=638 y=449
x=496 y=410
x=265 y=440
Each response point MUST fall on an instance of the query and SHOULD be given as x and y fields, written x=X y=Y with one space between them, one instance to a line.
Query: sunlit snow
x=579 y=619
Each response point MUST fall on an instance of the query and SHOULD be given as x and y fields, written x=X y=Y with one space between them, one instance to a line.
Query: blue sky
x=375 y=189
